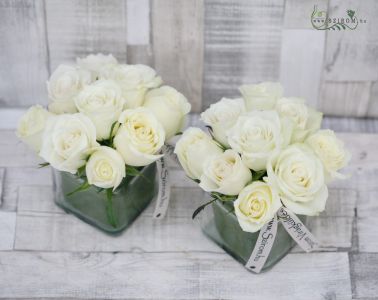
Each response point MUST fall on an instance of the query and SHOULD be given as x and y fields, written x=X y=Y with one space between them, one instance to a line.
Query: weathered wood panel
x=344 y=124
x=298 y=13
x=345 y=98
x=17 y=177
x=170 y=276
x=24 y=56
x=177 y=29
x=351 y=55
x=364 y=274
x=7 y=230
x=373 y=101
x=79 y=27
x=242 y=45
x=301 y=66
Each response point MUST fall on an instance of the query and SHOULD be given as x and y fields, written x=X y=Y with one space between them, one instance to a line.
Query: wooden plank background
x=206 y=49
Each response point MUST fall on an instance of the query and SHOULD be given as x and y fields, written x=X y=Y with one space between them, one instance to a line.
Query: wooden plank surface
x=364 y=272
x=177 y=30
x=300 y=70
x=7 y=230
x=345 y=98
x=351 y=55
x=24 y=55
x=242 y=45
x=171 y=276
x=77 y=28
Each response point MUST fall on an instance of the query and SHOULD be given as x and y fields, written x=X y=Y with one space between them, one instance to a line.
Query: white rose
x=64 y=84
x=261 y=96
x=305 y=119
x=103 y=103
x=225 y=173
x=169 y=107
x=221 y=116
x=67 y=140
x=297 y=173
x=134 y=81
x=105 y=168
x=31 y=126
x=193 y=148
x=256 y=205
x=139 y=137
x=96 y=62
x=257 y=135
x=331 y=152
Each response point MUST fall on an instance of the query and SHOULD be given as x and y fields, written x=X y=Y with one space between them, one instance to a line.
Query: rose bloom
x=225 y=173
x=256 y=205
x=64 y=84
x=169 y=106
x=103 y=103
x=139 y=137
x=32 y=125
x=262 y=96
x=221 y=116
x=298 y=175
x=257 y=135
x=134 y=80
x=305 y=120
x=193 y=148
x=105 y=168
x=331 y=152
x=67 y=141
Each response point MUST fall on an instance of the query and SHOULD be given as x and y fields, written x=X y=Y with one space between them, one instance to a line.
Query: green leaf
x=257 y=175
x=201 y=208
x=109 y=208
x=83 y=187
x=223 y=198
x=111 y=129
x=179 y=133
x=42 y=165
x=132 y=171
x=81 y=171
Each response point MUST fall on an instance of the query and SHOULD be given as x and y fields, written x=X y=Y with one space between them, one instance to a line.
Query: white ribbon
x=164 y=193
x=295 y=228
x=263 y=246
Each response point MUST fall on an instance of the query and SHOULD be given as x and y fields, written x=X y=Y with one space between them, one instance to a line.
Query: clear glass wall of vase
x=93 y=206
x=220 y=224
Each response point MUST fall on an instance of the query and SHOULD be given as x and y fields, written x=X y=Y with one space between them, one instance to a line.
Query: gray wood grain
x=177 y=29
x=298 y=12
x=242 y=45
x=300 y=70
x=24 y=56
x=171 y=276
x=345 y=98
x=17 y=177
x=364 y=275
x=351 y=55
x=7 y=230
x=78 y=28
x=373 y=102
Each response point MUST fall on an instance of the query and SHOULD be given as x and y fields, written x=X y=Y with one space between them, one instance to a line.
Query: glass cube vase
x=93 y=207
x=220 y=224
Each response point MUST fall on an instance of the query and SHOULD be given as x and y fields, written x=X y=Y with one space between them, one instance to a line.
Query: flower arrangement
x=105 y=121
x=265 y=155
